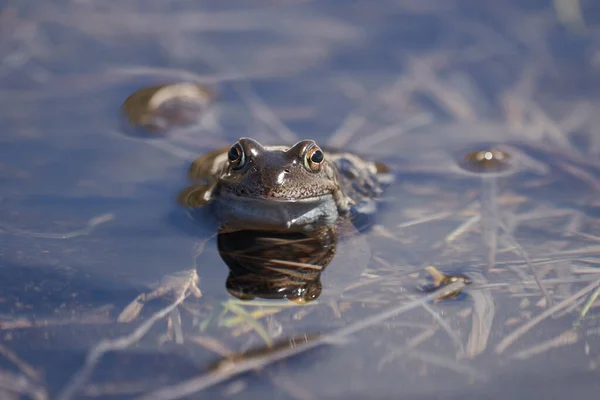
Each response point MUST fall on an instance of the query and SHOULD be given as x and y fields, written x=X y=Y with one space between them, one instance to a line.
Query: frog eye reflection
x=236 y=156
x=314 y=158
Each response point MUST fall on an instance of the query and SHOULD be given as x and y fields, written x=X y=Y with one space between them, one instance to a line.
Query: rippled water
x=89 y=218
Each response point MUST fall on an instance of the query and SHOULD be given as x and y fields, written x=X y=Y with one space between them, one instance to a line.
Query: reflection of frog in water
x=301 y=187
x=277 y=265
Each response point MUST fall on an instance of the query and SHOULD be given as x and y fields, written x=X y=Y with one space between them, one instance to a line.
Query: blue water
x=410 y=83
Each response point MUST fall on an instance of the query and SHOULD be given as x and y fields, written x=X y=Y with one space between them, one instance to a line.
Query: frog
x=281 y=188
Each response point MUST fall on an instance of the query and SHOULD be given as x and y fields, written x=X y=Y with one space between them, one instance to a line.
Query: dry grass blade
x=346 y=131
x=22 y=323
x=90 y=226
x=217 y=376
x=394 y=131
x=510 y=339
x=250 y=320
x=21 y=385
x=569 y=13
x=428 y=218
x=586 y=308
x=23 y=366
x=211 y=344
x=422 y=337
x=484 y=311
x=173 y=285
x=581 y=174
x=117 y=389
x=172 y=73
x=462 y=228
x=530 y=266
x=564 y=339
x=259 y=109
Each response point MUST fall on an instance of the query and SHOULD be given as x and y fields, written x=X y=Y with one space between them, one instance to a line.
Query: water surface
x=415 y=84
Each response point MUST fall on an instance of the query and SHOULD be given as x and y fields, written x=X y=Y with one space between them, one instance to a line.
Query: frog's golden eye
x=236 y=156
x=314 y=158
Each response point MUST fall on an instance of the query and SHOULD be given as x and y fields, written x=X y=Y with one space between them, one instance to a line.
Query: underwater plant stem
x=489 y=219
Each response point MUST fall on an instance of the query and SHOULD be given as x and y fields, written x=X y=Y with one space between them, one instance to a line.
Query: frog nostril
x=287 y=171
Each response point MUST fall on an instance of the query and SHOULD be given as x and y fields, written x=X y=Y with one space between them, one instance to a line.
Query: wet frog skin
x=301 y=187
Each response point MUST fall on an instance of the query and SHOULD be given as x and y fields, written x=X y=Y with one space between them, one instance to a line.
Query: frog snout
x=272 y=183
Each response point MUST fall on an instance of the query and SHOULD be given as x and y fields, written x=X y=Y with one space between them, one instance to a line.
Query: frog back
x=361 y=181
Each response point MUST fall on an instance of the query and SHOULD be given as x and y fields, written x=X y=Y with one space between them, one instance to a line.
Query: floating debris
x=263 y=353
x=173 y=285
x=442 y=280
x=488 y=160
x=157 y=109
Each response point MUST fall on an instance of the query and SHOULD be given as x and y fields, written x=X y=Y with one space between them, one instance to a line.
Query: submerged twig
x=530 y=266
x=90 y=226
x=185 y=281
x=23 y=366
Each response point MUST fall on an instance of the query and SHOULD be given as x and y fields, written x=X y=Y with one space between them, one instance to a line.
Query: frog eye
x=236 y=156
x=314 y=158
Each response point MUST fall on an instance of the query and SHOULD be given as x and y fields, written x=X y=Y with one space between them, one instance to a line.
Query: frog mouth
x=243 y=194
x=245 y=212
x=276 y=199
